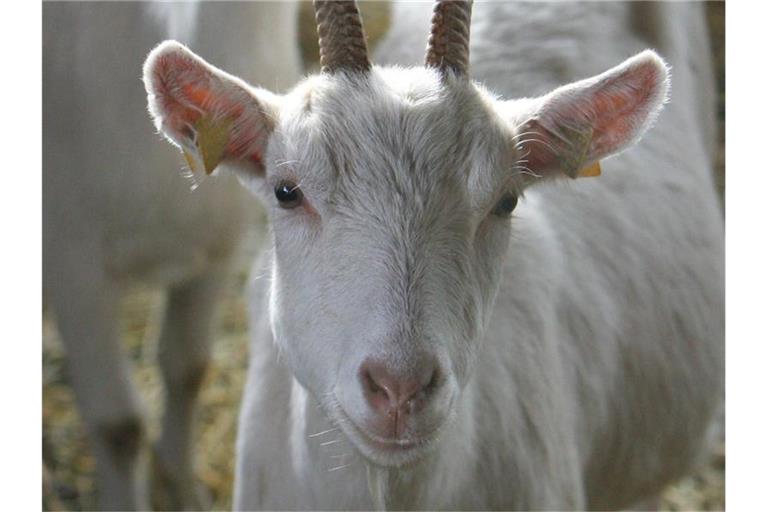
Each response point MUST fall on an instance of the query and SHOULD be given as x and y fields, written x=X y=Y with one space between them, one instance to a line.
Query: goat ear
x=571 y=129
x=210 y=115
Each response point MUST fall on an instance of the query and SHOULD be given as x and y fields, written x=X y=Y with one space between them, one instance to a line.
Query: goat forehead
x=395 y=132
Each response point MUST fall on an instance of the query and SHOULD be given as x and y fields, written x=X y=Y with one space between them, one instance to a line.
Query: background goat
x=116 y=212
x=593 y=378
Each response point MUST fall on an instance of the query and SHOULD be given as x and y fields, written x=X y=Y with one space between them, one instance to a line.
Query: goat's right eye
x=288 y=194
x=506 y=205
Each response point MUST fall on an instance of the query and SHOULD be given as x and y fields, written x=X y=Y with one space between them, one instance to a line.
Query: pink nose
x=395 y=395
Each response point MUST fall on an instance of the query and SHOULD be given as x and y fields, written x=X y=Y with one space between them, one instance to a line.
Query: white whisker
x=526 y=171
x=544 y=143
x=338 y=468
x=280 y=163
x=523 y=134
x=316 y=434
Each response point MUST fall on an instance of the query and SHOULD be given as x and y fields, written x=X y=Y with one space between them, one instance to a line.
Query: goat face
x=385 y=266
x=390 y=193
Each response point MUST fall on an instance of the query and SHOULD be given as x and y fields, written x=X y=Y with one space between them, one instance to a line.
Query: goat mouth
x=394 y=444
x=387 y=452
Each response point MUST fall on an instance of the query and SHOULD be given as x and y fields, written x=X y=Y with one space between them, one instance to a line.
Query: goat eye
x=288 y=194
x=505 y=205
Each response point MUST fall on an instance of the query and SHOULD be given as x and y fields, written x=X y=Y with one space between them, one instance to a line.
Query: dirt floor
x=67 y=465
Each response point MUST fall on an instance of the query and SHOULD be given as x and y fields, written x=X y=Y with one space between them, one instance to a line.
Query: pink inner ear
x=621 y=106
x=584 y=122
x=186 y=90
x=177 y=83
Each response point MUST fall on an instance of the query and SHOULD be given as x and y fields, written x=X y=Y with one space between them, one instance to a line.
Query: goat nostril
x=371 y=384
x=390 y=393
x=434 y=382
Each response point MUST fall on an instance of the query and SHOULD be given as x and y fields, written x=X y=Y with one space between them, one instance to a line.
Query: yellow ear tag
x=212 y=138
x=577 y=141
x=591 y=171
x=190 y=160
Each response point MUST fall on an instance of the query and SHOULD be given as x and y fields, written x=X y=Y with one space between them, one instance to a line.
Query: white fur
x=580 y=342
x=117 y=211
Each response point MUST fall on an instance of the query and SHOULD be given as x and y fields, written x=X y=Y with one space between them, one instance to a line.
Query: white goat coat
x=110 y=187
x=117 y=210
x=601 y=372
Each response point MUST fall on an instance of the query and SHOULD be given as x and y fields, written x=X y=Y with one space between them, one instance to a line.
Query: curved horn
x=342 y=40
x=449 y=40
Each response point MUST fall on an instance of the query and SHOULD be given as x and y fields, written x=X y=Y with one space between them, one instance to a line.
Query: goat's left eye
x=288 y=194
x=506 y=205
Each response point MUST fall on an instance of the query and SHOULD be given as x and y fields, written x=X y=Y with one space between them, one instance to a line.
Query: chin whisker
x=337 y=468
x=318 y=434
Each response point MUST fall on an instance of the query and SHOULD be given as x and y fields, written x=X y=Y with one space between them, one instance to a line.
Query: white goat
x=116 y=211
x=425 y=341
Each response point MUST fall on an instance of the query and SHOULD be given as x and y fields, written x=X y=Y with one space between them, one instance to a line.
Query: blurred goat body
x=430 y=337
x=117 y=211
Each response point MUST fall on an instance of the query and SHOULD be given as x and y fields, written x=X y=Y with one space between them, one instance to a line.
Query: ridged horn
x=341 y=36
x=449 y=39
